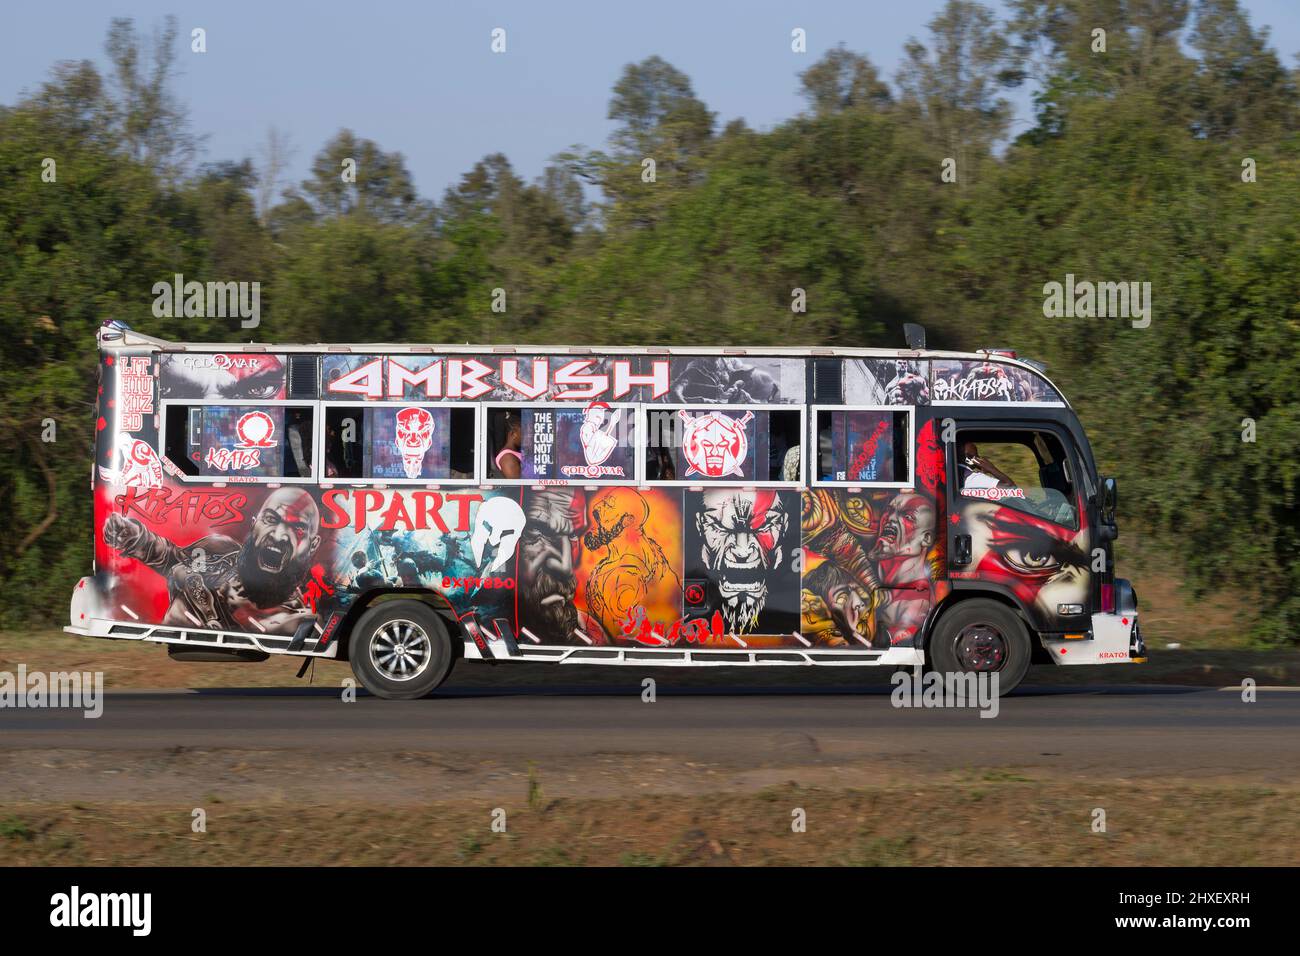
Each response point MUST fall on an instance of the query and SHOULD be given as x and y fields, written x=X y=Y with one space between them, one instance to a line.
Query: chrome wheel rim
x=400 y=650
x=981 y=648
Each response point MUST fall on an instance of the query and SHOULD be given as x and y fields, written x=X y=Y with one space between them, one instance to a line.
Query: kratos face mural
x=743 y=545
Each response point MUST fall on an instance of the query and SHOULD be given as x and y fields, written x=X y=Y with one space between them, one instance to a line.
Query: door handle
x=961 y=549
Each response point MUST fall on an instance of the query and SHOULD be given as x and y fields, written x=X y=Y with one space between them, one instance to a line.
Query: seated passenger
x=508 y=461
x=978 y=472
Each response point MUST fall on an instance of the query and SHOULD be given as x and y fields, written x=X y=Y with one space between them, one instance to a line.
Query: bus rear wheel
x=982 y=636
x=400 y=650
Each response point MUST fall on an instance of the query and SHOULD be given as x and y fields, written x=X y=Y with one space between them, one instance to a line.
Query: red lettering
x=360 y=523
x=396 y=512
x=428 y=504
x=335 y=516
x=462 y=516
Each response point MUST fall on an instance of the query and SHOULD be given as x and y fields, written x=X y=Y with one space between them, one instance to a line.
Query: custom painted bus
x=400 y=507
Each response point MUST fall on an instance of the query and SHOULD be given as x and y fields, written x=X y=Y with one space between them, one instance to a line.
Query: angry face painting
x=745 y=541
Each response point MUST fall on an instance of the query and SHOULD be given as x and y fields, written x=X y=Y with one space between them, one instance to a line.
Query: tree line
x=1162 y=151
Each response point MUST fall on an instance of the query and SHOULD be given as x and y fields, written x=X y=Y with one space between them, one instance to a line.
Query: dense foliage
x=1130 y=170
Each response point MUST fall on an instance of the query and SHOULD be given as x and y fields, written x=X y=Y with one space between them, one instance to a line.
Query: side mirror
x=1109 y=500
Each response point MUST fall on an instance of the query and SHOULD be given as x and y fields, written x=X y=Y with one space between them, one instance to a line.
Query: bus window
x=586 y=444
x=699 y=444
x=505 y=440
x=344 y=431
x=297 y=451
x=240 y=441
x=859 y=445
x=182 y=437
x=1026 y=470
x=399 y=442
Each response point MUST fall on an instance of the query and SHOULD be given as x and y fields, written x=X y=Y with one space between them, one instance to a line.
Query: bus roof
x=116 y=334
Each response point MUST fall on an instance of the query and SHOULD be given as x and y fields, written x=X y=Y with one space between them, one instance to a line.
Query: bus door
x=1019 y=525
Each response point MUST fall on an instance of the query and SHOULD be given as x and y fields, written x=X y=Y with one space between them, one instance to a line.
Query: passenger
x=509 y=461
x=978 y=472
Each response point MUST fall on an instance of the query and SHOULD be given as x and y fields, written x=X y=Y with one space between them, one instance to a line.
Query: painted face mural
x=549 y=552
x=714 y=445
x=634 y=575
x=745 y=543
x=839 y=582
x=413 y=438
x=871 y=560
x=902 y=553
x=216 y=582
x=1043 y=563
x=234 y=376
x=497 y=528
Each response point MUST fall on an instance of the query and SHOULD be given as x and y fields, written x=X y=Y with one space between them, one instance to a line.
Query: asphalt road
x=1126 y=730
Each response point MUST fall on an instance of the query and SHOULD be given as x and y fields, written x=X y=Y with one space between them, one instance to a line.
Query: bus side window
x=724 y=443
x=463 y=442
x=182 y=439
x=297 y=441
x=660 y=432
x=505 y=441
x=426 y=442
x=255 y=442
x=345 y=435
x=863 y=445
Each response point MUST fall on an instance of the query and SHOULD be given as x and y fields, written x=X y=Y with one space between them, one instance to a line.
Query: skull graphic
x=414 y=436
x=497 y=527
x=714 y=444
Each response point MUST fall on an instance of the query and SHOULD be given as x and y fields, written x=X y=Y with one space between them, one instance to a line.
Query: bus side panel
x=639 y=567
x=263 y=560
x=874 y=560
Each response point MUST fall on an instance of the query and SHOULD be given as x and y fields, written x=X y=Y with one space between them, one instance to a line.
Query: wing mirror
x=1109 y=500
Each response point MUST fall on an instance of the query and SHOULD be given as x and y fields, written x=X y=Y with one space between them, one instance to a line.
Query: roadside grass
x=938 y=824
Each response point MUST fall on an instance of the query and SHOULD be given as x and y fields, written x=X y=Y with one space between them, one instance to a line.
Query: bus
x=401 y=507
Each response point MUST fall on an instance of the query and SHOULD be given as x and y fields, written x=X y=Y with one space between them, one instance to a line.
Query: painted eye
x=1030 y=560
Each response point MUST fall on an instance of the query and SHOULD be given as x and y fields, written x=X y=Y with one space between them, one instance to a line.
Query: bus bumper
x=1116 y=639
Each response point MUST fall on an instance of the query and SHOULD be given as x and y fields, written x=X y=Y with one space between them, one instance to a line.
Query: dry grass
x=999 y=819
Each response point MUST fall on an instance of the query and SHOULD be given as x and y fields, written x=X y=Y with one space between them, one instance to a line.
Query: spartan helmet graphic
x=497 y=527
x=715 y=444
x=414 y=436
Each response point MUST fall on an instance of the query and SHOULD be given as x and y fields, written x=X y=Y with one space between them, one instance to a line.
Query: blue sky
x=419 y=77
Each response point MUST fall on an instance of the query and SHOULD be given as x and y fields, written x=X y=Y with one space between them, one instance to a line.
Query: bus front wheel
x=982 y=636
x=400 y=650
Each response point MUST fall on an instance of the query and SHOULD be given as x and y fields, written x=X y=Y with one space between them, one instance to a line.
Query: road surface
x=1129 y=731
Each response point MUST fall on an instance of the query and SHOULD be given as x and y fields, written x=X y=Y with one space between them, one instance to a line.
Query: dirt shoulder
x=1000 y=819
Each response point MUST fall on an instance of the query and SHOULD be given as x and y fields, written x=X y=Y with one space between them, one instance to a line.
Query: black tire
x=397 y=636
x=982 y=635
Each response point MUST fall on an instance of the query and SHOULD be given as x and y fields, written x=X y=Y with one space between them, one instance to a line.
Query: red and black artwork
x=742 y=544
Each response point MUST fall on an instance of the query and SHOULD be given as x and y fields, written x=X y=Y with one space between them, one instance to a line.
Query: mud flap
x=504 y=632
